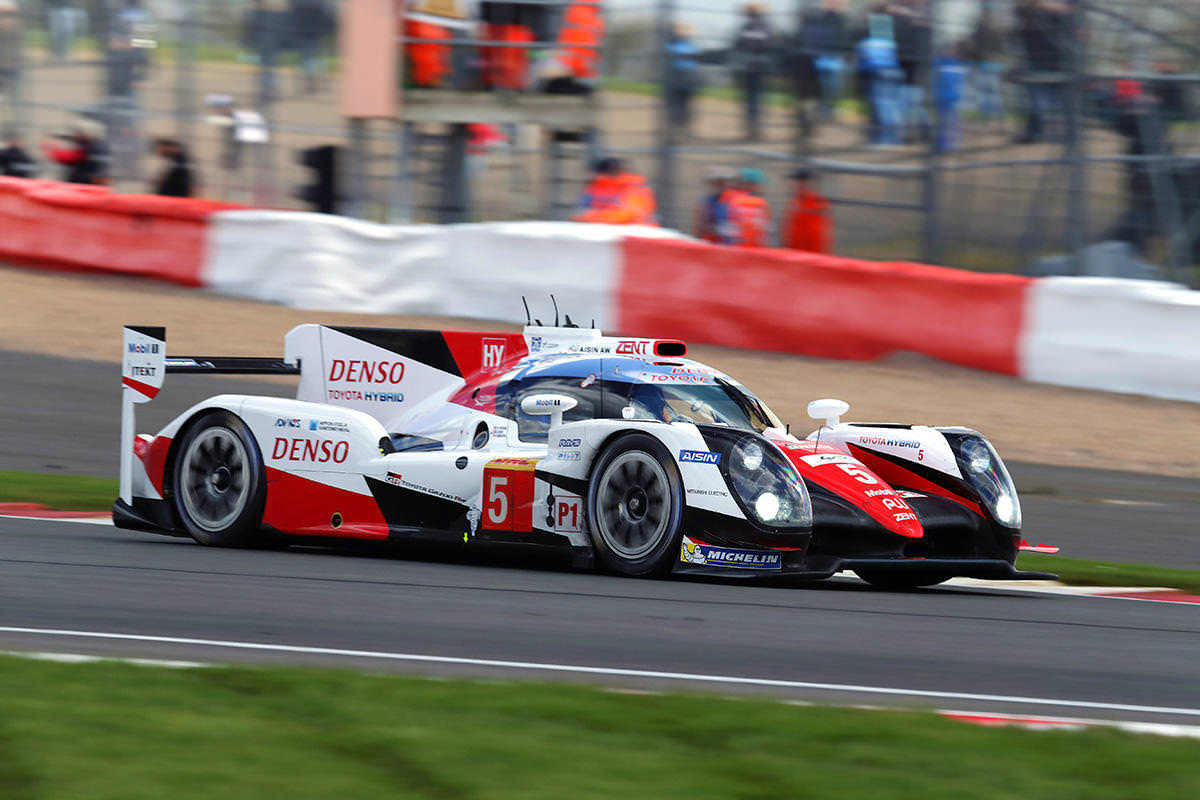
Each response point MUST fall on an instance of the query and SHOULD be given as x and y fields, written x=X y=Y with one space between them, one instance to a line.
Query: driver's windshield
x=718 y=403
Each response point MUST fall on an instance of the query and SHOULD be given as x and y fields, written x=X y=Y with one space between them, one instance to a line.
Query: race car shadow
x=543 y=559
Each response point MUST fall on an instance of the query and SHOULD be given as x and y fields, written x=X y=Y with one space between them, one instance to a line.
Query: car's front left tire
x=219 y=482
x=635 y=507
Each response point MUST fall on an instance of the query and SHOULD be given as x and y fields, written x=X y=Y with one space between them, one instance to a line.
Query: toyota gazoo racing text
x=635 y=458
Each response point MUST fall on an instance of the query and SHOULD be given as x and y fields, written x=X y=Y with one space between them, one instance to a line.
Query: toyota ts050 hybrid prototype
x=633 y=457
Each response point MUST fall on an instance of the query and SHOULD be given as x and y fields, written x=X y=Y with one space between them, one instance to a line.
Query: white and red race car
x=622 y=450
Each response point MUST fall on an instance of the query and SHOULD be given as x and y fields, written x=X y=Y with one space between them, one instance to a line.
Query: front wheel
x=635 y=507
x=220 y=482
x=899 y=581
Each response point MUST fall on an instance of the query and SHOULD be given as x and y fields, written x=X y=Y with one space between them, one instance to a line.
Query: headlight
x=767 y=506
x=764 y=482
x=975 y=455
x=985 y=472
x=1007 y=511
x=750 y=455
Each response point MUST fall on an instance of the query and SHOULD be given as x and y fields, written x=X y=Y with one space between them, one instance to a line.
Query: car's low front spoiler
x=996 y=569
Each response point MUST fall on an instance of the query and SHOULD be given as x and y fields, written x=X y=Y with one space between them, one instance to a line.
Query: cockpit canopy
x=631 y=388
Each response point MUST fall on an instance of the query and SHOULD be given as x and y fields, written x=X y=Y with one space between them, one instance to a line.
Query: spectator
x=311 y=22
x=10 y=45
x=262 y=35
x=64 y=24
x=683 y=77
x=986 y=51
x=509 y=23
x=806 y=223
x=750 y=61
x=575 y=66
x=82 y=153
x=748 y=217
x=1043 y=27
x=1135 y=114
x=176 y=179
x=616 y=197
x=14 y=161
x=913 y=35
x=950 y=80
x=880 y=71
x=824 y=41
x=710 y=211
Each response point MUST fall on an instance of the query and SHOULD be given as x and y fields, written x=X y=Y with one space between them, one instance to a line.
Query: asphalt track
x=76 y=588
x=1082 y=657
x=63 y=415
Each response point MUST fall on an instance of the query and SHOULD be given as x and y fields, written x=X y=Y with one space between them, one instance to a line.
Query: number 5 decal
x=507 y=496
x=858 y=473
x=497 y=500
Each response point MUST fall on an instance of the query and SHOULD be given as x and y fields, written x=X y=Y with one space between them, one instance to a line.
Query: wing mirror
x=548 y=405
x=828 y=409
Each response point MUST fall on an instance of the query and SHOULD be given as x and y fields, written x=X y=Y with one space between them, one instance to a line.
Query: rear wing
x=145 y=365
x=230 y=365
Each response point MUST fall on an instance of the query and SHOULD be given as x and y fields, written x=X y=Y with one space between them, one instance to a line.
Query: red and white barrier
x=1117 y=335
x=481 y=271
x=73 y=226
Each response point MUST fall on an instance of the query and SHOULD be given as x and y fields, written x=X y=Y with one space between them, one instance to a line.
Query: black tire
x=219 y=488
x=635 y=507
x=899 y=581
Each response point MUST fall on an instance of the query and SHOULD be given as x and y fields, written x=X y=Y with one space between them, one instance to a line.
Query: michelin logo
x=699 y=456
x=710 y=556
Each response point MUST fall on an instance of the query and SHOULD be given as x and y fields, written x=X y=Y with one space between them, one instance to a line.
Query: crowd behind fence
x=987 y=134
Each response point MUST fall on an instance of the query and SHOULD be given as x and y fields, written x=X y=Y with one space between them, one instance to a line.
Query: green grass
x=75 y=493
x=67 y=492
x=1081 y=572
x=111 y=730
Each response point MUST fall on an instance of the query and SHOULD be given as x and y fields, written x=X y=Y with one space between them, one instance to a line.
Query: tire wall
x=1112 y=334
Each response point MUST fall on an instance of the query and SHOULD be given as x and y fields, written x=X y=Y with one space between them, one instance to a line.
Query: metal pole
x=354 y=171
x=554 y=180
x=665 y=177
x=402 y=184
x=456 y=197
x=1074 y=153
x=931 y=234
x=185 y=74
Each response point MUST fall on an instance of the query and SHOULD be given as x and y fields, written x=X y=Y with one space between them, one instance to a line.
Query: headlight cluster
x=766 y=485
x=985 y=472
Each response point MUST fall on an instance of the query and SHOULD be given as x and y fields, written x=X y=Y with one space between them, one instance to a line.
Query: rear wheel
x=220 y=482
x=887 y=579
x=635 y=507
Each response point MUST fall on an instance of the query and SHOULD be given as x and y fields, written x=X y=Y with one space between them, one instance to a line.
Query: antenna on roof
x=568 y=323
x=593 y=322
x=552 y=300
x=528 y=319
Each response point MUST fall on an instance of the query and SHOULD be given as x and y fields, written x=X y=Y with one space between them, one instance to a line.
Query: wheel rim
x=633 y=504
x=213 y=479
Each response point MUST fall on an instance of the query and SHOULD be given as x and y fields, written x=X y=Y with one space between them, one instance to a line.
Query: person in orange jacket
x=747 y=221
x=806 y=223
x=580 y=38
x=616 y=197
x=428 y=63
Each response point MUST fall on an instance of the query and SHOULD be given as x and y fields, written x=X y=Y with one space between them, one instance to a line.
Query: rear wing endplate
x=144 y=366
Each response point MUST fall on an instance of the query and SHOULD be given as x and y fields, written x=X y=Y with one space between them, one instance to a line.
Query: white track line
x=609 y=671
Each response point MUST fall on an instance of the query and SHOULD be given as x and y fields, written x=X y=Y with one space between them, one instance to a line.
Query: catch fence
x=1084 y=133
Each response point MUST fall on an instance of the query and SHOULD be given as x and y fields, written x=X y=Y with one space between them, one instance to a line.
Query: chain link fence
x=1009 y=132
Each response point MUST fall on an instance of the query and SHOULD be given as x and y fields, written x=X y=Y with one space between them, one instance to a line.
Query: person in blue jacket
x=880 y=68
x=950 y=78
